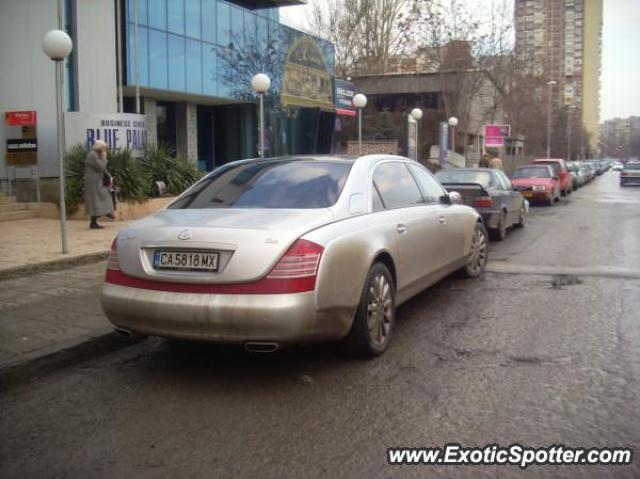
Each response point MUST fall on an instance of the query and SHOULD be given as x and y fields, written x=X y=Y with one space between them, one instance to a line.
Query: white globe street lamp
x=453 y=122
x=261 y=84
x=359 y=101
x=57 y=45
x=416 y=114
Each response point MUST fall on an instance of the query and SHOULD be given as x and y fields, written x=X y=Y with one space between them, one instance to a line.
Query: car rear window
x=531 y=172
x=552 y=164
x=290 y=183
x=632 y=166
x=481 y=177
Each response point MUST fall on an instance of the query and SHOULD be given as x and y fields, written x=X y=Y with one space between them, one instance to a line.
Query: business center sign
x=120 y=131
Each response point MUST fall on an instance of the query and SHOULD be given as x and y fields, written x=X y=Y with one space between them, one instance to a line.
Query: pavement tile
x=19 y=246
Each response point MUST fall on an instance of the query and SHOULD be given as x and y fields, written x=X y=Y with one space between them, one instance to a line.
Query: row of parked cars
x=503 y=202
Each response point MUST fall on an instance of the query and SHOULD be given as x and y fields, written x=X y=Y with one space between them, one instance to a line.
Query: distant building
x=620 y=137
x=561 y=40
x=472 y=94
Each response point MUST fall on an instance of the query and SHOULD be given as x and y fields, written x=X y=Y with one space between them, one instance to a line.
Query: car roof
x=480 y=170
x=533 y=165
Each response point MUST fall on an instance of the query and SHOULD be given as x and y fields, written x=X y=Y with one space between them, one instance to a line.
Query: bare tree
x=466 y=50
x=367 y=34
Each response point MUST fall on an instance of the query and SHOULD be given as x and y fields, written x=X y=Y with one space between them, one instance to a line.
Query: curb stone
x=70 y=354
x=55 y=265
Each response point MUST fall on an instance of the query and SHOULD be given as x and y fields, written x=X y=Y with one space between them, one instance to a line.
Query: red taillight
x=300 y=261
x=623 y=173
x=483 y=202
x=113 y=263
x=295 y=272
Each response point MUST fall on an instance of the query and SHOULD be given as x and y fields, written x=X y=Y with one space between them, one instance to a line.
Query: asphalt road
x=543 y=350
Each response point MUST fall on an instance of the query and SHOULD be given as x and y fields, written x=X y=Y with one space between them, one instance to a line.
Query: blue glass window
x=209 y=20
x=262 y=33
x=194 y=66
x=157 y=59
x=224 y=24
x=158 y=14
x=176 y=16
x=237 y=27
x=177 y=63
x=209 y=69
x=250 y=30
x=131 y=57
x=192 y=14
x=142 y=11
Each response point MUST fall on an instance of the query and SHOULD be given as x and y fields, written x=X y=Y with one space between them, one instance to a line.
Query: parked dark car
x=630 y=174
x=490 y=192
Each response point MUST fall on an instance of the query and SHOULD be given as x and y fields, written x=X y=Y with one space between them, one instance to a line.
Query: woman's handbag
x=106 y=179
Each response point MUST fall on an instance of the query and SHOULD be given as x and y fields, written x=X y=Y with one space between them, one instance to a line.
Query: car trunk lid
x=248 y=241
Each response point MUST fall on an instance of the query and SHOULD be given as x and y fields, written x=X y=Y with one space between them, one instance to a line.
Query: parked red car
x=537 y=183
x=560 y=169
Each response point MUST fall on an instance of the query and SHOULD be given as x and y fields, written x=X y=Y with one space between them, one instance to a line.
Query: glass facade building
x=205 y=52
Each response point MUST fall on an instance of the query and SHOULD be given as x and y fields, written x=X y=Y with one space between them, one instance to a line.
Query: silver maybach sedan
x=286 y=250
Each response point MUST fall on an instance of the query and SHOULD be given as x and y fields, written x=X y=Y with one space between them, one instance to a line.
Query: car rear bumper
x=490 y=218
x=228 y=318
x=630 y=180
x=533 y=196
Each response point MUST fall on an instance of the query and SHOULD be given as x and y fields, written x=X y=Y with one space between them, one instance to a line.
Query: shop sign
x=22 y=151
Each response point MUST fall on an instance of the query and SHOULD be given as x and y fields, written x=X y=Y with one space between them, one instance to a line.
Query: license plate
x=186 y=261
x=527 y=194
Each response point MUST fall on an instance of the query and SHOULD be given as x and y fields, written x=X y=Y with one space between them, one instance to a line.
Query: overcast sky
x=620 y=92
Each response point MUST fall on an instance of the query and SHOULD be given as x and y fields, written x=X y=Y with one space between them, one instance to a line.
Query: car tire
x=478 y=254
x=551 y=201
x=500 y=233
x=374 y=321
x=522 y=219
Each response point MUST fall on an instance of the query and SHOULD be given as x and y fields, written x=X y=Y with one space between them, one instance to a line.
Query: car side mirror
x=455 y=198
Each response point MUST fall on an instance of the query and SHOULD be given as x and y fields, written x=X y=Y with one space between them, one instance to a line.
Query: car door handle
x=402 y=229
x=443 y=220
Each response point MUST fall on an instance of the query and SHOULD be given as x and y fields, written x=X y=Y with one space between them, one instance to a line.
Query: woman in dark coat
x=97 y=198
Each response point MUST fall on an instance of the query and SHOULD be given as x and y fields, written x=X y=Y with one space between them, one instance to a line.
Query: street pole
x=136 y=53
x=261 y=95
x=261 y=84
x=57 y=45
x=61 y=148
x=119 y=55
x=453 y=139
x=550 y=83
x=360 y=131
x=569 y=133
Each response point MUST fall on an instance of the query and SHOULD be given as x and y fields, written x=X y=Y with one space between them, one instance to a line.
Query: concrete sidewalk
x=50 y=313
x=33 y=244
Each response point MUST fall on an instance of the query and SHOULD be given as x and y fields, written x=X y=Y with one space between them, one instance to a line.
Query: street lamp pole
x=570 y=115
x=57 y=45
x=261 y=84
x=550 y=83
x=453 y=122
x=416 y=114
x=359 y=101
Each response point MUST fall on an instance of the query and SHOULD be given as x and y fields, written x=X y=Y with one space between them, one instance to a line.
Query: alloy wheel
x=478 y=256
x=379 y=309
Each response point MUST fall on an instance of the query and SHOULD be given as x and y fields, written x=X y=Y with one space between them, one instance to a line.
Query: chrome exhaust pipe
x=261 y=347
x=124 y=332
